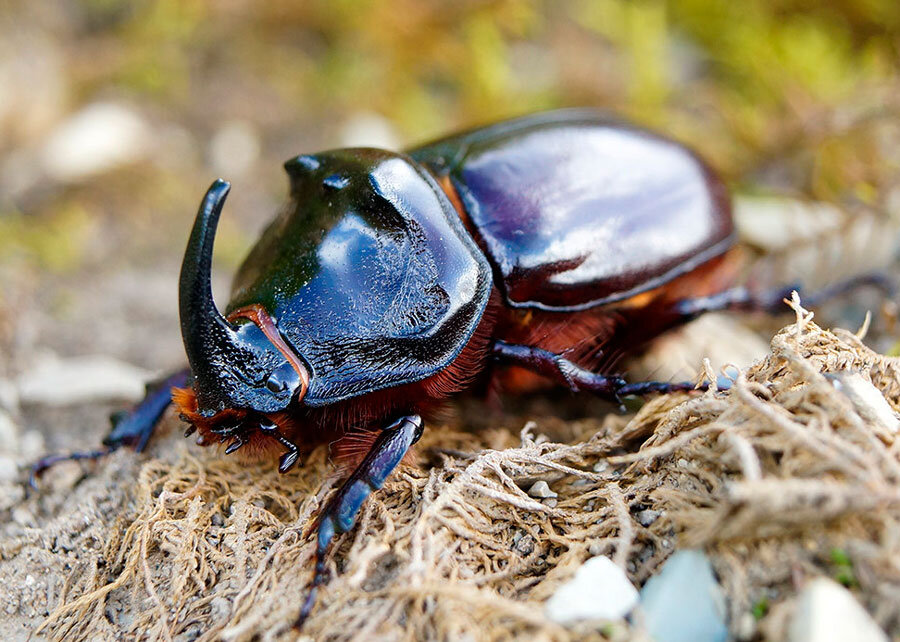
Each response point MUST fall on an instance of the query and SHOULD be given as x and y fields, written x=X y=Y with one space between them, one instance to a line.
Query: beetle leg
x=578 y=379
x=772 y=301
x=288 y=459
x=129 y=427
x=135 y=427
x=339 y=514
x=559 y=369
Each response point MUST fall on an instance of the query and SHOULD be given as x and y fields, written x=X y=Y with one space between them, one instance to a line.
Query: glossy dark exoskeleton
x=551 y=244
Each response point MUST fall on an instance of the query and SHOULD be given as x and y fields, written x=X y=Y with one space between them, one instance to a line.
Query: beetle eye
x=274 y=384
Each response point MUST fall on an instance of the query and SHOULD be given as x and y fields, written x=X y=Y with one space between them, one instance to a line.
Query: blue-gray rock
x=684 y=602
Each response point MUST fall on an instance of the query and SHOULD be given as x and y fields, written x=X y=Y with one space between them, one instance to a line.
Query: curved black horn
x=208 y=337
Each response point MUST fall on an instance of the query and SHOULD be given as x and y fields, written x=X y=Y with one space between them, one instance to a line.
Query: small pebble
x=600 y=590
x=600 y=466
x=525 y=546
x=541 y=489
x=32 y=445
x=746 y=627
x=683 y=602
x=23 y=517
x=827 y=612
x=220 y=608
x=647 y=517
x=550 y=502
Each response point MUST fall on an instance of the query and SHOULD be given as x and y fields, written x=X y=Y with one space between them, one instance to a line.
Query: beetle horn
x=206 y=333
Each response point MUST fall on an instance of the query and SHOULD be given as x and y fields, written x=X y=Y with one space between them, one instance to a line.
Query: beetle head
x=241 y=362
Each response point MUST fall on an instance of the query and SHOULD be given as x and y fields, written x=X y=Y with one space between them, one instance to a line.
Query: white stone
x=9 y=396
x=60 y=382
x=777 y=223
x=541 y=489
x=9 y=434
x=677 y=356
x=827 y=612
x=32 y=445
x=367 y=129
x=234 y=148
x=9 y=470
x=646 y=517
x=600 y=590
x=100 y=137
x=867 y=400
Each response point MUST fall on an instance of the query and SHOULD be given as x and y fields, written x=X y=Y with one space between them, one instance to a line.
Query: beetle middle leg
x=129 y=427
x=339 y=514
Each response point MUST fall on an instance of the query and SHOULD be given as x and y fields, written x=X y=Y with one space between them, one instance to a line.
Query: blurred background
x=115 y=115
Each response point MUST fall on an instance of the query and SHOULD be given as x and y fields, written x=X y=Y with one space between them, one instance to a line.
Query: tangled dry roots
x=769 y=478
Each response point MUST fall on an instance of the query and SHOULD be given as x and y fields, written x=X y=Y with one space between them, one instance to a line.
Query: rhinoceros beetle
x=552 y=244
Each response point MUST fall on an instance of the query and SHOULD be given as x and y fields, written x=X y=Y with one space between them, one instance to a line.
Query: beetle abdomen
x=575 y=210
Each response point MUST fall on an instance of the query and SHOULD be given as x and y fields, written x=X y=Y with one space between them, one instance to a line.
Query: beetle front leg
x=288 y=459
x=339 y=514
x=578 y=379
x=129 y=427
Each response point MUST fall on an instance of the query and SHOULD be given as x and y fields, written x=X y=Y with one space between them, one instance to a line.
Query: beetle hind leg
x=339 y=514
x=772 y=301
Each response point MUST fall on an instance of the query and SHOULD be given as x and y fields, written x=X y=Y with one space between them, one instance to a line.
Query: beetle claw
x=190 y=430
x=234 y=446
x=287 y=461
